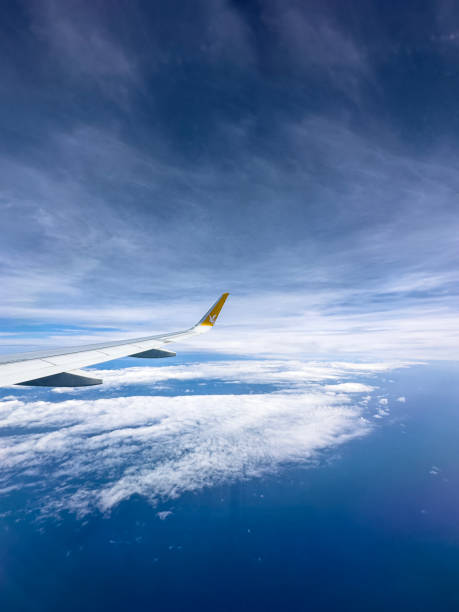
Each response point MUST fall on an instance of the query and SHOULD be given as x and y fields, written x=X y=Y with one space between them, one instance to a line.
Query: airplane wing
x=61 y=367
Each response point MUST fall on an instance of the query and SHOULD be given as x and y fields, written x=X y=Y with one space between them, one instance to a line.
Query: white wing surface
x=61 y=367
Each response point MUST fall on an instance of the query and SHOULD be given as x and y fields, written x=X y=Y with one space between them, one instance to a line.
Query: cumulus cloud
x=163 y=447
x=97 y=453
x=163 y=515
x=350 y=388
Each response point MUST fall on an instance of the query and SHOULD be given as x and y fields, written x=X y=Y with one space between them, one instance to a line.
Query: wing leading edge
x=61 y=367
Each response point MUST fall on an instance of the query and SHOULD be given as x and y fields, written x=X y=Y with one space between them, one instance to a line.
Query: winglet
x=211 y=315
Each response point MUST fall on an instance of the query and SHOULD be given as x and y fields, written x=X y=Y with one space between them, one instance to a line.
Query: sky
x=301 y=155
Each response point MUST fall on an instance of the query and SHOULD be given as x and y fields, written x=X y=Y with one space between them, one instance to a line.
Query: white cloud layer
x=97 y=453
x=161 y=447
x=294 y=373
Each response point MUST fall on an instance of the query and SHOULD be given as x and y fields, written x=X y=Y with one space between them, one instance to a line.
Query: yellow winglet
x=211 y=316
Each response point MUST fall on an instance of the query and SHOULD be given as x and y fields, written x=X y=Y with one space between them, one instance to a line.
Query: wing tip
x=211 y=315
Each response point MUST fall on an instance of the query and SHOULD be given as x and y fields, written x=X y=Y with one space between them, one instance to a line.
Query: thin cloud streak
x=292 y=373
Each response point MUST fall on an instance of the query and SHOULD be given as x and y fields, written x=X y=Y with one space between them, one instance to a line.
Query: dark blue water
x=370 y=528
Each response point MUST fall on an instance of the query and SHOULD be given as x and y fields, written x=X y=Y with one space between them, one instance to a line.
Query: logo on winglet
x=211 y=317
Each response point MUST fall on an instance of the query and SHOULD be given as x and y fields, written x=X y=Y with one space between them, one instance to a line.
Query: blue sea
x=365 y=523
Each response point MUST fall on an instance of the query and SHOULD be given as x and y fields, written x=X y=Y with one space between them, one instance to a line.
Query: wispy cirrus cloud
x=311 y=41
x=82 y=45
x=232 y=163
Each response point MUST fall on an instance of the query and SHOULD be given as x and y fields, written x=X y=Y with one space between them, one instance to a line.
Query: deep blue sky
x=301 y=155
